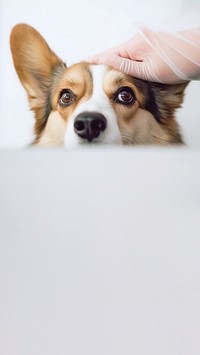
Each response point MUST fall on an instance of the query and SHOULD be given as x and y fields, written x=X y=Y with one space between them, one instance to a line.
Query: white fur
x=98 y=102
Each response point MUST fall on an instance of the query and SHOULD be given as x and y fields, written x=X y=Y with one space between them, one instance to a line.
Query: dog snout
x=89 y=125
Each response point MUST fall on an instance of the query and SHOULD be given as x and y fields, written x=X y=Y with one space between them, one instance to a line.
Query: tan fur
x=150 y=120
x=54 y=132
x=78 y=79
x=35 y=63
x=137 y=125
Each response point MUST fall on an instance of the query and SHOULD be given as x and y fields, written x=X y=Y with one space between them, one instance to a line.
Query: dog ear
x=35 y=64
x=168 y=98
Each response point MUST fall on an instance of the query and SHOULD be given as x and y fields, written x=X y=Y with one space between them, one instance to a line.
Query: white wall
x=76 y=29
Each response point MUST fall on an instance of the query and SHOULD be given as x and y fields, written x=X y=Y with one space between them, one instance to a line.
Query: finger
x=124 y=65
x=111 y=60
x=139 y=69
x=132 y=67
x=99 y=57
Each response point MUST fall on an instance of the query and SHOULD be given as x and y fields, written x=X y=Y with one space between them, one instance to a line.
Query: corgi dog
x=85 y=103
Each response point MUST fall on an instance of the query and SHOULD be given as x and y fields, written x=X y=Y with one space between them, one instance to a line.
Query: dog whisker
x=127 y=139
x=162 y=139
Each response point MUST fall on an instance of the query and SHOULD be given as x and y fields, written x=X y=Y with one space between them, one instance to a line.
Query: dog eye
x=66 y=97
x=124 y=96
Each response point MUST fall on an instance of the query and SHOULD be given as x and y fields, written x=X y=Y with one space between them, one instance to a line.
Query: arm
x=157 y=56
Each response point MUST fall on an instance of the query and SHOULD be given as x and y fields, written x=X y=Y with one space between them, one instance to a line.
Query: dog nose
x=89 y=125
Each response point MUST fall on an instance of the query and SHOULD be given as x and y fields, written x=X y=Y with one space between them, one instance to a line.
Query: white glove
x=163 y=57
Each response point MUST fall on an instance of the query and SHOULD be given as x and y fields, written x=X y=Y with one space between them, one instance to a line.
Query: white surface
x=99 y=252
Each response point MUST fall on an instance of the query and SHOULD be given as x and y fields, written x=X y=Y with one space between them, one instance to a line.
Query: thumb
x=139 y=69
x=134 y=68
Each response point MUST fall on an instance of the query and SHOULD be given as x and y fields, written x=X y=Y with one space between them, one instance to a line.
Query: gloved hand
x=163 y=57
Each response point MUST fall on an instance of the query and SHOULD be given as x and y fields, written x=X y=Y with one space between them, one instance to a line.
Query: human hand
x=156 y=56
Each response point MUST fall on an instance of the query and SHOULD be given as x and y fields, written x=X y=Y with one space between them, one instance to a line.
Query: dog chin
x=74 y=141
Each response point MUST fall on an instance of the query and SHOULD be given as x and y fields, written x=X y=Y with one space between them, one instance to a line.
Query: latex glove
x=157 y=56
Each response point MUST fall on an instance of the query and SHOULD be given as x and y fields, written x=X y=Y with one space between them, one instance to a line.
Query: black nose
x=89 y=125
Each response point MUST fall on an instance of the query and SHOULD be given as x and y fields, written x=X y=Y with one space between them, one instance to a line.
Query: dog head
x=87 y=103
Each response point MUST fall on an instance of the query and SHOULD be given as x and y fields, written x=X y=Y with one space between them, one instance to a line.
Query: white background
x=99 y=252
x=99 y=248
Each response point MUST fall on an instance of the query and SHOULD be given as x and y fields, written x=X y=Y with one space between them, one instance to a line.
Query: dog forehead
x=98 y=73
x=97 y=77
x=105 y=77
x=98 y=100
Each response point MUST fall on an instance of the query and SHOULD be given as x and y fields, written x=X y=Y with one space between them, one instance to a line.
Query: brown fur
x=36 y=66
x=151 y=119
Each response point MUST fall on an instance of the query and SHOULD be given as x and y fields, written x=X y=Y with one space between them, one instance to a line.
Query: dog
x=85 y=103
